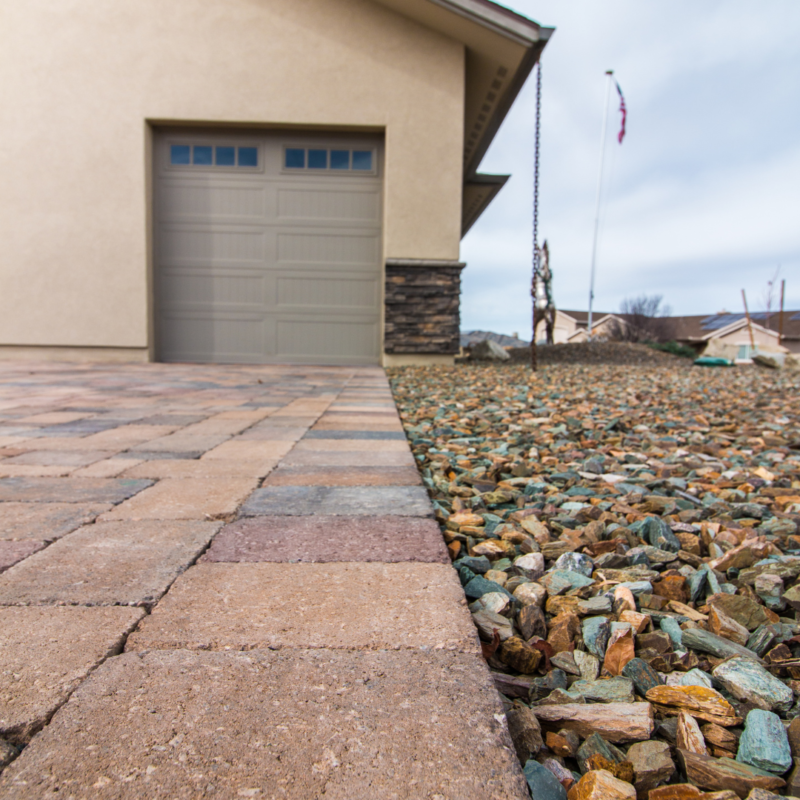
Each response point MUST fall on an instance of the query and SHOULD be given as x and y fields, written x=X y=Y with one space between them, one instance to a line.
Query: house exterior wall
x=85 y=81
x=564 y=328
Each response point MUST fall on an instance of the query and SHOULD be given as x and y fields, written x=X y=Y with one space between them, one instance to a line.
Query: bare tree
x=644 y=319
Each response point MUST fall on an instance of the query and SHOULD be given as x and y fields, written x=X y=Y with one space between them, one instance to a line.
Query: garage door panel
x=328 y=204
x=328 y=248
x=325 y=338
x=211 y=245
x=229 y=338
x=210 y=288
x=234 y=202
x=318 y=290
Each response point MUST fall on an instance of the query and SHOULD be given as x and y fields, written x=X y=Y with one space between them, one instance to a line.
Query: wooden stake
x=749 y=324
x=780 y=316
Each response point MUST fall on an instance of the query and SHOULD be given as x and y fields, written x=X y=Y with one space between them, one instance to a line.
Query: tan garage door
x=267 y=248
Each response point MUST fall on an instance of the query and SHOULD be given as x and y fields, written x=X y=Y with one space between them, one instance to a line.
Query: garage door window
x=334 y=160
x=205 y=155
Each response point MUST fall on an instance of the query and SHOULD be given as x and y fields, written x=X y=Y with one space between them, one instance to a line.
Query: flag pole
x=609 y=74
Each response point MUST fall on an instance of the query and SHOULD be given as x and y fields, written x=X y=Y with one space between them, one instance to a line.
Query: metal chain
x=534 y=360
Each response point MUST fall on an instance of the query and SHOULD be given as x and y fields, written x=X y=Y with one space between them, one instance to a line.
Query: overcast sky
x=702 y=198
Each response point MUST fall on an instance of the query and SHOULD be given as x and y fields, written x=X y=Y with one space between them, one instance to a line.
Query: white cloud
x=702 y=198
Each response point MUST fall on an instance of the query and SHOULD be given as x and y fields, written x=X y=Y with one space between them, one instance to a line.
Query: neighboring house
x=732 y=330
x=723 y=329
x=572 y=326
x=250 y=181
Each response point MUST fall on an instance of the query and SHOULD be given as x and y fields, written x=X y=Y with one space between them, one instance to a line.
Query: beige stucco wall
x=82 y=79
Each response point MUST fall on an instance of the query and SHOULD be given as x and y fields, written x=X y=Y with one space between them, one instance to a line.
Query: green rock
x=594 y=745
x=764 y=743
x=748 y=681
x=644 y=677
x=707 y=642
x=595 y=632
x=479 y=586
x=610 y=690
x=542 y=783
x=660 y=535
x=558 y=581
x=673 y=630
x=478 y=564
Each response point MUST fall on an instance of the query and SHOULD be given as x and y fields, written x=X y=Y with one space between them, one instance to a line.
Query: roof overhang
x=502 y=48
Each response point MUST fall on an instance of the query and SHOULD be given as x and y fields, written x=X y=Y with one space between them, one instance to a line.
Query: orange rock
x=723 y=625
x=639 y=621
x=601 y=785
x=619 y=652
x=689 y=736
x=563 y=630
x=624 y=596
x=678 y=791
x=466 y=518
x=692 y=698
x=673 y=587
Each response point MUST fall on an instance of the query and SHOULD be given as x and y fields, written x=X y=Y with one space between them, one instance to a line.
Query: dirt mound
x=615 y=353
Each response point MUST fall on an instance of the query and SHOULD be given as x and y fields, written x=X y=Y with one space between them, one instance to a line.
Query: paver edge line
x=117 y=648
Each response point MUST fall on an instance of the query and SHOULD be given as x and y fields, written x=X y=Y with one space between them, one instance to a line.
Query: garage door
x=267 y=248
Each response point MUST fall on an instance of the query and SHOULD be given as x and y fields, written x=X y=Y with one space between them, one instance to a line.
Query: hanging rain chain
x=538 y=291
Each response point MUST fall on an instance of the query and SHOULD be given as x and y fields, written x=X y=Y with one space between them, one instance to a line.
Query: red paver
x=319 y=538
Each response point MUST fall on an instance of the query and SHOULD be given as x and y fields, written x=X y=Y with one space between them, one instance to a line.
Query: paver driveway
x=226 y=582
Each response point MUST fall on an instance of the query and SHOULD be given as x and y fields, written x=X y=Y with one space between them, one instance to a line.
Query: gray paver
x=44 y=655
x=320 y=539
x=405 y=501
x=216 y=606
x=294 y=725
x=108 y=563
x=70 y=490
x=323 y=434
x=45 y=521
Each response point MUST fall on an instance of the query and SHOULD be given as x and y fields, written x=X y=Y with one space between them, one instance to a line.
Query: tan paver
x=108 y=468
x=294 y=725
x=127 y=436
x=45 y=521
x=46 y=652
x=215 y=606
x=251 y=450
x=114 y=563
x=363 y=457
x=186 y=498
x=200 y=468
x=350 y=445
x=52 y=418
x=59 y=458
x=181 y=443
x=31 y=471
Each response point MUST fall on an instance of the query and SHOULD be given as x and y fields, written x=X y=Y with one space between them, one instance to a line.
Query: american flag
x=624 y=113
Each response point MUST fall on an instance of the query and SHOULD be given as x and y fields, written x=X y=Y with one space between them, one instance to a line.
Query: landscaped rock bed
x=629 y=542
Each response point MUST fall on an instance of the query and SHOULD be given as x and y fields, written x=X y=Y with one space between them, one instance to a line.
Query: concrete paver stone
x=201 y=468
x=217 y=606
x=295 y=725
x=321 y=539
x=316 y=433
x=45 y=521
x=108 y=563
x=405 y=501
x=183 y=498
x=45 y=653
x=70 y=490
x=344 y=476
x=14 y=552
x=366 y=457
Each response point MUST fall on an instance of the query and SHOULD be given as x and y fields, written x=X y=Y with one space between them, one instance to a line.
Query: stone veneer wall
x=422 y=307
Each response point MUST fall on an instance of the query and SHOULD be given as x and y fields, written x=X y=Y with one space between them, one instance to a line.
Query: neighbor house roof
x=702 y=327
x=502 y=48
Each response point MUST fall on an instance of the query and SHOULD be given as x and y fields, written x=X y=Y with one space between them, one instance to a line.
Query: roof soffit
x=501 y=50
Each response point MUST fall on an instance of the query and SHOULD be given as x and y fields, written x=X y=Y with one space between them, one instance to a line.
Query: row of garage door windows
x=202 y=155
